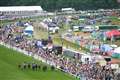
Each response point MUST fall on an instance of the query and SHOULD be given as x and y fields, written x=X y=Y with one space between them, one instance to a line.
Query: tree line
x=52 y=5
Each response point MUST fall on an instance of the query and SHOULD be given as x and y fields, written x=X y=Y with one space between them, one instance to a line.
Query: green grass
x=40 y=34
x=69 y=45
x=9 y=70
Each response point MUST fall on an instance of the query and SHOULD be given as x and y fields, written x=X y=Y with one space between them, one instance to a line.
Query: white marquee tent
x=117 y=50
x=21 y=8
x=116 y=53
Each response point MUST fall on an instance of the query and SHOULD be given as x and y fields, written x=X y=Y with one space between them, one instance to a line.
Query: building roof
x=21 y=8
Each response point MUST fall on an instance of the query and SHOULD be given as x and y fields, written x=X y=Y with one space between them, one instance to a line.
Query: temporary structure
x=116 y=53
x=21 y=10
x=117 y=50
x=105 y=48
x=28 y=30
x=112 y=33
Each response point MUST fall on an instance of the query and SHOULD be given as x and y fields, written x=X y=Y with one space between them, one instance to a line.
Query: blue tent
x=105 y=48
x=28 y=30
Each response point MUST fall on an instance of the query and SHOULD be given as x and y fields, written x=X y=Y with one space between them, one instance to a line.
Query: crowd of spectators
x=85 y=71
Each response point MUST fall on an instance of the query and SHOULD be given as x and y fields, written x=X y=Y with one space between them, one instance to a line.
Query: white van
x=88 y=29
x=75 y=28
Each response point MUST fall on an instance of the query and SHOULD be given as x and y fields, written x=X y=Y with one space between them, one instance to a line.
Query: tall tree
x=52 y=5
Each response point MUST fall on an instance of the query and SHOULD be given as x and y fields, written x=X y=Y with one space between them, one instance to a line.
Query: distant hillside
x=52 y=5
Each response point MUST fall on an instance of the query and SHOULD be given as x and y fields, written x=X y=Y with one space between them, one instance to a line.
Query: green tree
x=52 y=5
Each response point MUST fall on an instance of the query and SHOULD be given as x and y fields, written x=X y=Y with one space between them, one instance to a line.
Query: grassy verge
x=67 y=44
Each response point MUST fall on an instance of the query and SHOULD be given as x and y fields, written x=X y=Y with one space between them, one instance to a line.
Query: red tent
x=112 y=33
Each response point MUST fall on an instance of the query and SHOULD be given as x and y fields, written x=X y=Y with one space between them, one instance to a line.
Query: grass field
x=9 y=70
